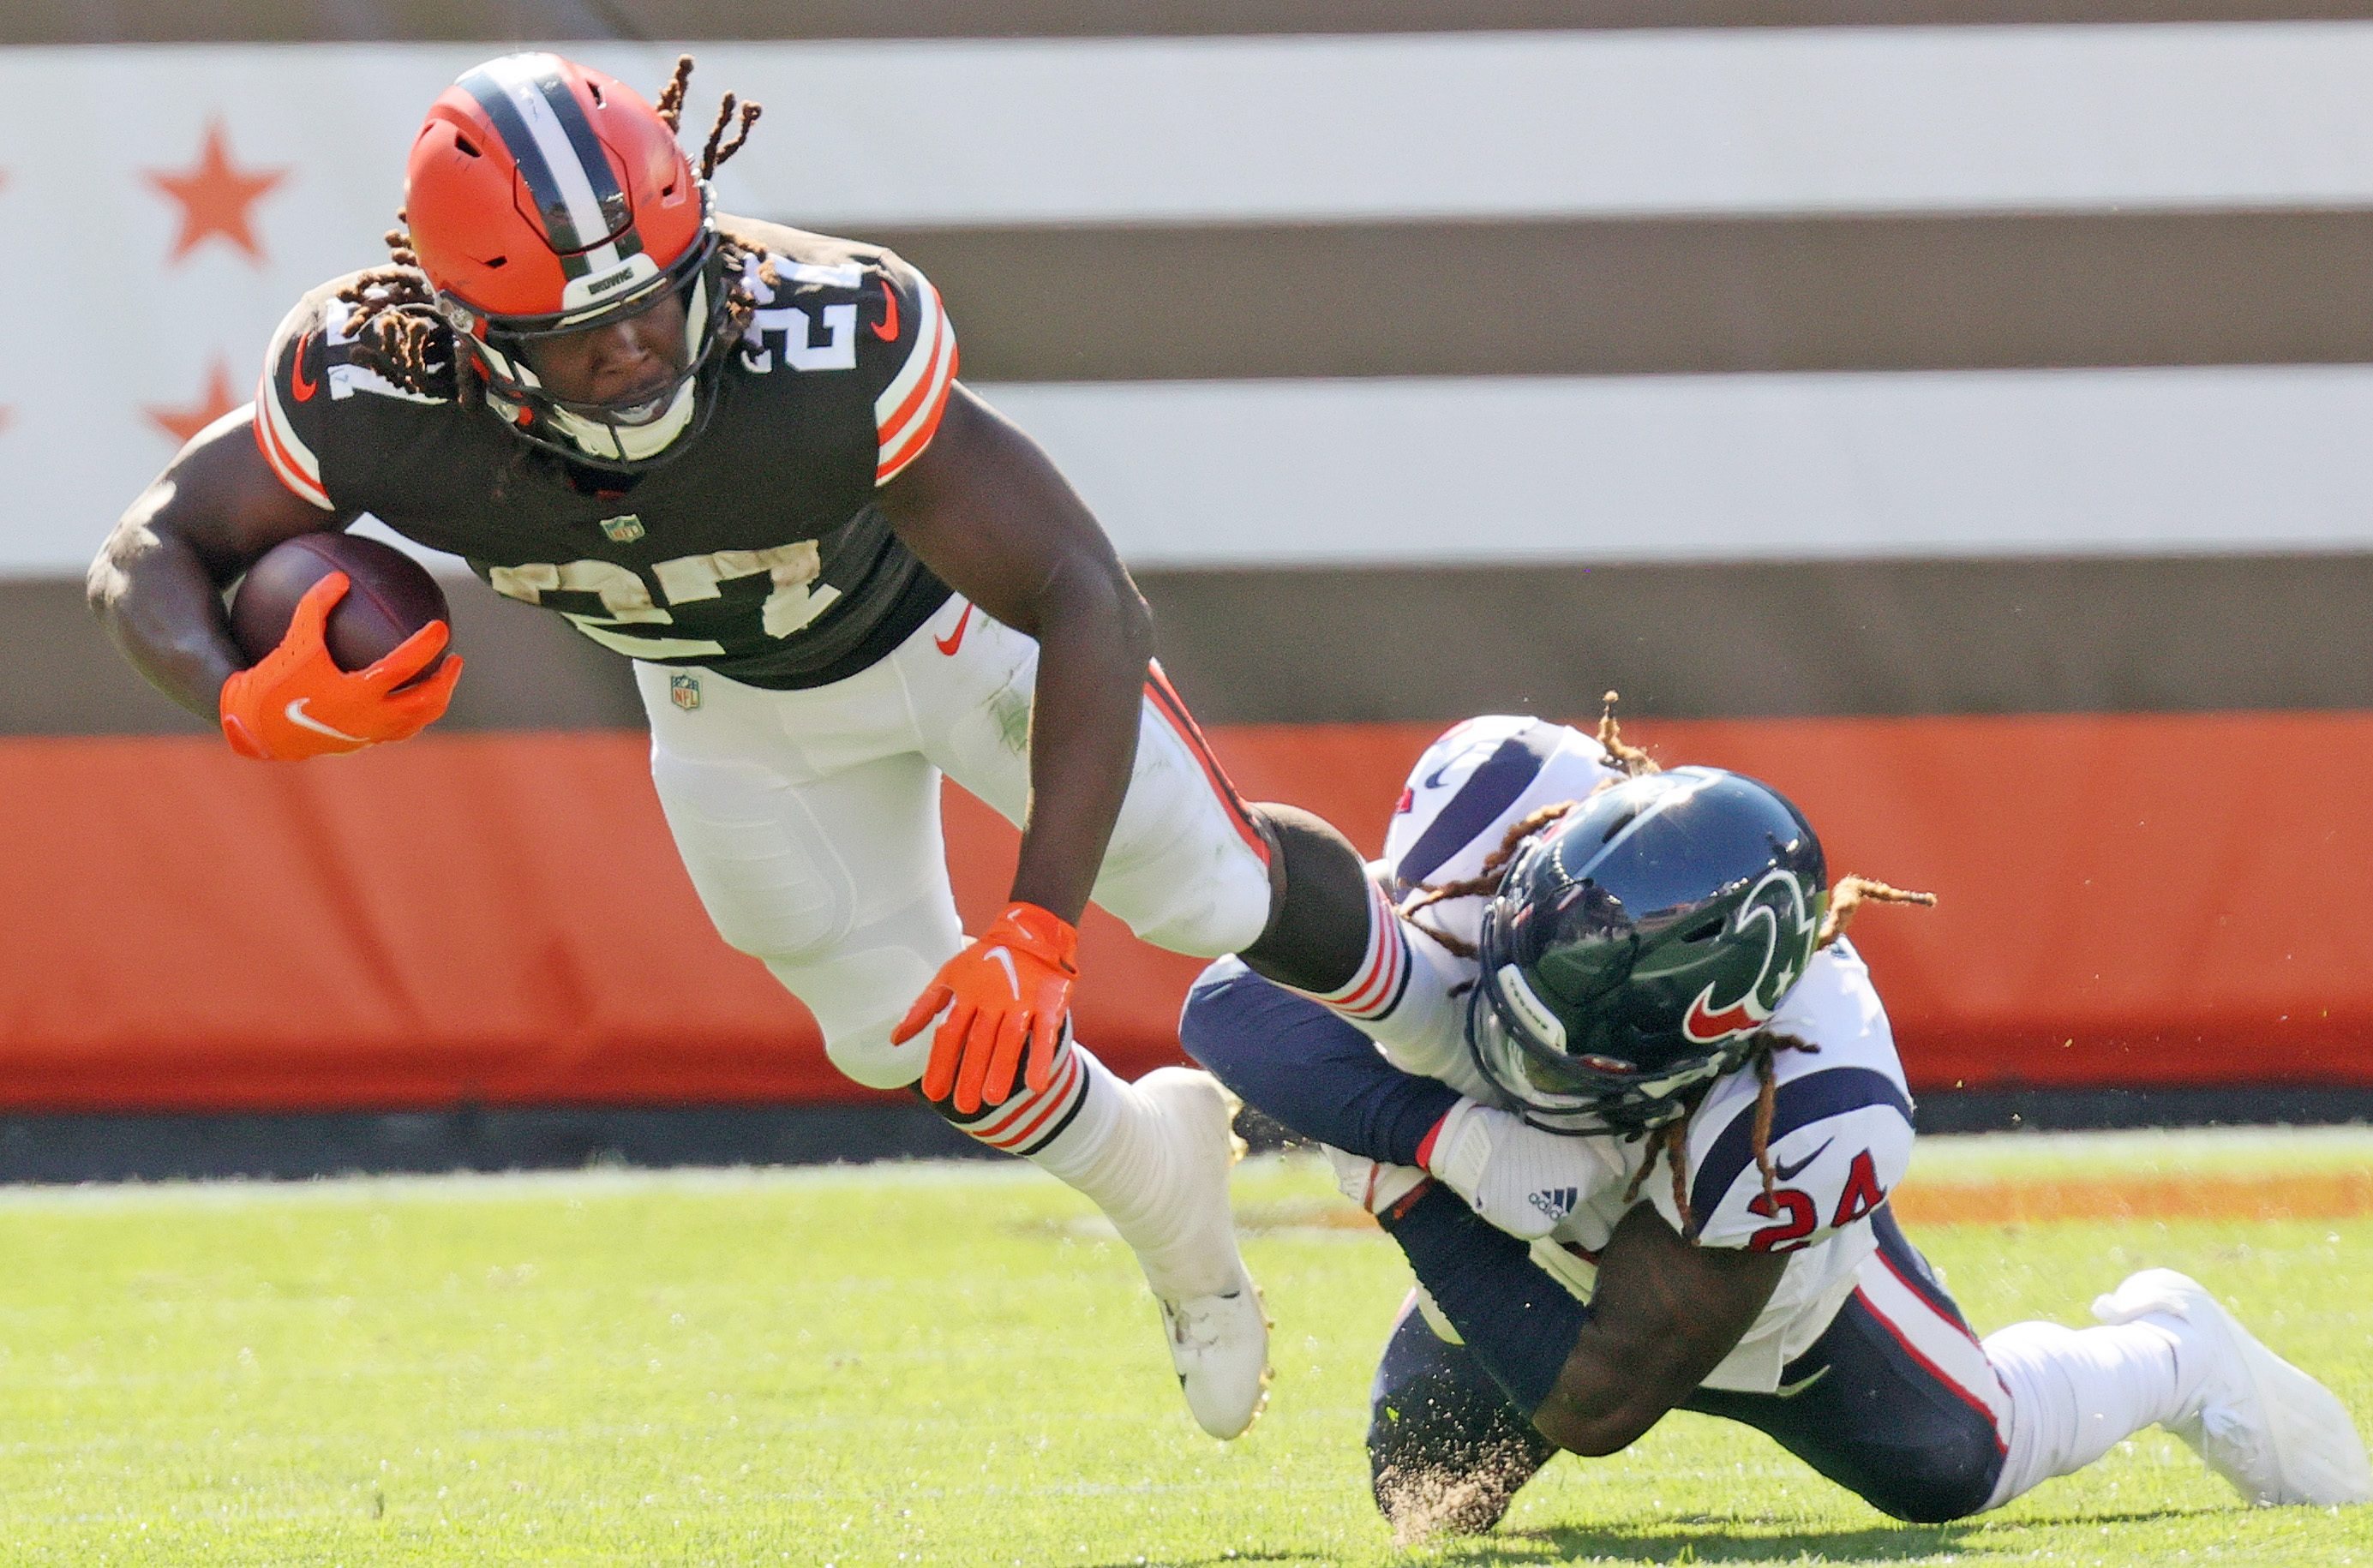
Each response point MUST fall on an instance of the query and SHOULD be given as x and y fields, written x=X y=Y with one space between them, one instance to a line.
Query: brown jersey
x=756 y=552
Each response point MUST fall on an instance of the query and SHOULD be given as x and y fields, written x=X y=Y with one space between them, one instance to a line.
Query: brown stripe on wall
x=508 y=21
x=1598 y=296
x=525 y=670
x=1428 y=645
x=1771 y=640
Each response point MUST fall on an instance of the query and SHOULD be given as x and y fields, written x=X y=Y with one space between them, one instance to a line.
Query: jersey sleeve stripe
x=906 y=415
x=930 y=323
x=289 y=457
x=1491 y=790
x=1799 y=1102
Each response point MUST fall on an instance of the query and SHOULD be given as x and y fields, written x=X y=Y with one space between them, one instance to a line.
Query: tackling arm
x=1663 y=1316
x=156 y=584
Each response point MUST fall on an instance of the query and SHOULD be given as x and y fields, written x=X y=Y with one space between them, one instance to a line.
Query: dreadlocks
x=1669 y=1142
x=393 y=319
x=1635 y=761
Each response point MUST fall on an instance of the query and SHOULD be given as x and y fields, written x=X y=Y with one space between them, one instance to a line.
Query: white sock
x=2075 y=1393
x=1100 y=1137
x=1400 y=998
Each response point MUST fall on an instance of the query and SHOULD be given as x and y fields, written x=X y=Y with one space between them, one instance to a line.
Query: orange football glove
x=1010 y=989
x=296 y=702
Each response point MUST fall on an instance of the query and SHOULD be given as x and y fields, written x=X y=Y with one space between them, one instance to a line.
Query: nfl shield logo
x=623 y=530
x=685 y=691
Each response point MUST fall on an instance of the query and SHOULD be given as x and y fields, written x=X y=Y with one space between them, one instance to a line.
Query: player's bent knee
x=1932 y=1485
x=858 y=999
x=1207 y=926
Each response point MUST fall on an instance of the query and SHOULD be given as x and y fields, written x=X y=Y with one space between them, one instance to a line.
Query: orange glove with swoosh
x=1009 y=991
x=294 y=702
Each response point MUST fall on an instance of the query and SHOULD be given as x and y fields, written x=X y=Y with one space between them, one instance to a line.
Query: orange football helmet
x=545 y=198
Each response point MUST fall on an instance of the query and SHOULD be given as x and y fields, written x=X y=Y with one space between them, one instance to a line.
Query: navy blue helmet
x=1638 y=944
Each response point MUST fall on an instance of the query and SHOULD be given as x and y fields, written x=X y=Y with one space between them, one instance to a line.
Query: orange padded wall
x=500 y=917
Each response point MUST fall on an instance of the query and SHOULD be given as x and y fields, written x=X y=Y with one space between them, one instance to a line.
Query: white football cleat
x=1218 y=1338
x=2276 y=1434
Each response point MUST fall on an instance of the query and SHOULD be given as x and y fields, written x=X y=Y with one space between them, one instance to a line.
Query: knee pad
x=1318 y=936
x=765 y=890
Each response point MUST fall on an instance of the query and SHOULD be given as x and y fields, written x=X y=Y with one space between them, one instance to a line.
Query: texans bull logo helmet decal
x=1778 y=898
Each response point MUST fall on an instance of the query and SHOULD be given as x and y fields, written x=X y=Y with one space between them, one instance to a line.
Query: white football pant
x=810 y=822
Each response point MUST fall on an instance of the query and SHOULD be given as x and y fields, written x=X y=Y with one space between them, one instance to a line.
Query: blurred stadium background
x=1963 y=427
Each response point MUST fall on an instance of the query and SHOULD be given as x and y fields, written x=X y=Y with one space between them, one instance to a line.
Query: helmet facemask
x=624 y=438
x=1634 y=951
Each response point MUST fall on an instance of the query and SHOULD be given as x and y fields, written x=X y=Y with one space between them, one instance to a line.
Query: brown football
x=389 y=596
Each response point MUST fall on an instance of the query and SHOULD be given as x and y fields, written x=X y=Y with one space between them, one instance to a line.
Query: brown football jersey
x=757 y=551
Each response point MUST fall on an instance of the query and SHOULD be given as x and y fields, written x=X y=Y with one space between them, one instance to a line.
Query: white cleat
x=1218 y=1338
x=2276 y=1434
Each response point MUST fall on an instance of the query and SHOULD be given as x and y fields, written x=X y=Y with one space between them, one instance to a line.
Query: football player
x=738 y=454
x=1619 y=1019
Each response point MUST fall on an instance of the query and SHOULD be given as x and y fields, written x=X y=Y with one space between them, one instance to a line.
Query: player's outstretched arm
x=156 y=584
x=986 y=510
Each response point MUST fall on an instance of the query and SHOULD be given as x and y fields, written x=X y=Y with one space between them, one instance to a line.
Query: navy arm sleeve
x=1519 y=1324
x=1294 y=1062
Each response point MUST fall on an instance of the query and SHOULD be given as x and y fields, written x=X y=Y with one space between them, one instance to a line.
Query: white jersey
x=1842 y=1123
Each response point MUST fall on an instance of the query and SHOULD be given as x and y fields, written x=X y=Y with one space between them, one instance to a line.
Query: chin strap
x=629 y=443
x=512 y=392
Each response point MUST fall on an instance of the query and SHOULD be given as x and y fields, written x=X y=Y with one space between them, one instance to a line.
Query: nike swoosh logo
x=1789 y=1390
x=954 y=639
x=1433 y=780
x=296 y=381
x=887 y=330
x=1788 y=1172
x=299 y=716
x=1012 y=978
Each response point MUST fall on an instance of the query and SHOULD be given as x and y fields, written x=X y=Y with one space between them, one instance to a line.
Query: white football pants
x=810 y=822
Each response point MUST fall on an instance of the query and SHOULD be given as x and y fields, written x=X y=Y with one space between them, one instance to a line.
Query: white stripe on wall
x=1717 y=467
x=1746 y=120
x=1730 y=119
x=921 y=131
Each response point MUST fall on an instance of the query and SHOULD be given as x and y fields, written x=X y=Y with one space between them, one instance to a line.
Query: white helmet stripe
x=567 y=173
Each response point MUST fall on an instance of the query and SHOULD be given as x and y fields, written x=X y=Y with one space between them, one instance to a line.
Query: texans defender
x=1598 y=969
x=739 y=456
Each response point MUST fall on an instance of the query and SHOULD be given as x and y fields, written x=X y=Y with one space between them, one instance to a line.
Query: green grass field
x=932 y=1364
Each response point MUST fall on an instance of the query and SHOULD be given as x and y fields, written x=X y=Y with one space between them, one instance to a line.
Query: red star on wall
x=214 y=197
x=183 y=423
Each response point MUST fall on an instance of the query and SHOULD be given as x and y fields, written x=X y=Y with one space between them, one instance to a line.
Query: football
x=389 y=597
